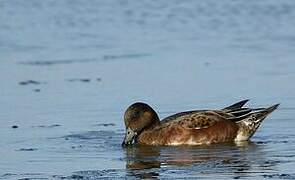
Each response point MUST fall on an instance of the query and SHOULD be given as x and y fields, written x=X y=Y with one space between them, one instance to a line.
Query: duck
x=234 y=123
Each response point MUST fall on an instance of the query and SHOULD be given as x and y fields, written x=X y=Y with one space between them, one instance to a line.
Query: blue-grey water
x=69 y=69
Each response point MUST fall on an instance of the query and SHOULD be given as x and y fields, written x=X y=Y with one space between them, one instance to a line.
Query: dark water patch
x=278 y=176
x=75 y=147
x=124 y=56
x=84 y=80
x=273 y=142
x=37 y=90
x=79 y=80
x=105 y=124
x=279 y=138
x=57 y=62
x=8 y=175
x=29 y=176
x=261 y=142
x=14 y=126
x=272 y=163
x=87 y=135
x=98 y=79
x=284 y=156
x=86 y=60
x=207 y=64
x=27 y=149
x=24 y=176
x=100 y=138
x=47 y=126
x=75 y=176
x=92 y=141
x=99 y=174
x=59 y=177
x=30 y=82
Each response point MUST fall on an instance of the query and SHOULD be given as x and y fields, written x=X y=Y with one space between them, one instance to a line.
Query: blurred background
x=69 y=69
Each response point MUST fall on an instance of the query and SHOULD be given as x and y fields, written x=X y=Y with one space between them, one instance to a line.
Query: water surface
x=69 y=69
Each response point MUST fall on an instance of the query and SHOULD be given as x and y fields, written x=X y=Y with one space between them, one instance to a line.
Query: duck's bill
x=129 y=137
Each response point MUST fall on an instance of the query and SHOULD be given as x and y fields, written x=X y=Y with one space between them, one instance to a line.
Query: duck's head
x=138 y=117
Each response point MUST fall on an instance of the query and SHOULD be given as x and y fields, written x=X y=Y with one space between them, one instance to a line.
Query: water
x=69 y=69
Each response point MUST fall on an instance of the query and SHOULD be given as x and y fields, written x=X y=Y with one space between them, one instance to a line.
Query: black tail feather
x=240 y=112
x=263 y=113
x=259 y=113
x=237 y=105
x=243 y=111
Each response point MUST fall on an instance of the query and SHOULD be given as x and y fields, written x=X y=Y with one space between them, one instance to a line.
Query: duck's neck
x=155 y=122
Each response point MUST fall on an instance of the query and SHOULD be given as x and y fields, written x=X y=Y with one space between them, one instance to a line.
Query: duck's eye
x=128 y=132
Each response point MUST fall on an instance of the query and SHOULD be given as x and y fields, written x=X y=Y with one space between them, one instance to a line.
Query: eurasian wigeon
x=197 y=127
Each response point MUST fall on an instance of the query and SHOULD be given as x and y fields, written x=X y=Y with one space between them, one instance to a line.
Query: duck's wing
x=179 y=115
x=196 y=119
x=234 y=109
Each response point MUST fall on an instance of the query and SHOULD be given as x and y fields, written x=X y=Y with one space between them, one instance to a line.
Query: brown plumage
x=233 y=123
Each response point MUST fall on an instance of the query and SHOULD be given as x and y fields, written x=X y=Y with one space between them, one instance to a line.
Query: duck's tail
x=249 y=124
x=237 y=105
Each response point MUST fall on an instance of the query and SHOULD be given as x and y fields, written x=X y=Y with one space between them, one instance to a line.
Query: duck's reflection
x=148 y=161
x=141 y=159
